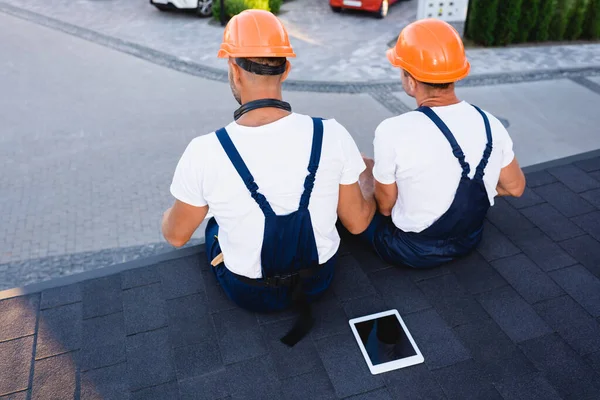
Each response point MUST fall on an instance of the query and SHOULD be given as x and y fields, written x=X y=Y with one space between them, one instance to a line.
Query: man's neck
x=438 y=99
x=261 y=116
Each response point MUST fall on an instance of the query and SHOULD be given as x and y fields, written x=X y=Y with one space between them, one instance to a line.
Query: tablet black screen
x=384 y=339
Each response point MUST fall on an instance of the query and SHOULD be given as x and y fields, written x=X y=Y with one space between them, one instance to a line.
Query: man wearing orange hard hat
x=438 y=168
x=275 y=181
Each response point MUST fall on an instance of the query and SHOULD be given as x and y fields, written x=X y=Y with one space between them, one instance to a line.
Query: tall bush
x=541 y=33
x=591 y=25
x=576 y=19
x=482 y=21
x=560 y=17
x=509 y=12
x=530 y=10
x=275 y=5
x=234 y=7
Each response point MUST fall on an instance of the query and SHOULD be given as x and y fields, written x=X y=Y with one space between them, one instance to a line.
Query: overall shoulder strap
x=242 y=170
x=313 y=164
x=456 y=150
x=488 y=147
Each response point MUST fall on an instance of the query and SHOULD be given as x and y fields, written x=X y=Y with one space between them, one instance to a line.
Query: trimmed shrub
x=541 y=33
x=509 y=13
x=482 y=21
x=234 y=7
x=560 y=16
x=275 y=5
x=530 y=11
x=575 y=20
x=591 y=25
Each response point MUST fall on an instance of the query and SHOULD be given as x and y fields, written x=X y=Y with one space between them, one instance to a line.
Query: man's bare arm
x=386 y=196
x=511 y=181
x=181 y=221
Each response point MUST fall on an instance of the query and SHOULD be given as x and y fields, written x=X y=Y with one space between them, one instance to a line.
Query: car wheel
x=161 y=7
x=204 y=8
x=383 y=10
x=336 y=9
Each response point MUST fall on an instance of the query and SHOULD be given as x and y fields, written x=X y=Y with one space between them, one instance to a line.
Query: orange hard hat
x=255 y=33
x=431 y=51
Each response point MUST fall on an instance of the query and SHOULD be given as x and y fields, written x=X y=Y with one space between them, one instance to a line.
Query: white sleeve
x=187 y=180
x=508 y=155
x=504 y=140
x=353 y=161
x=385 y=157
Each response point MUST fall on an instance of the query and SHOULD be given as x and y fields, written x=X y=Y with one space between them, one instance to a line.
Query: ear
x=234 y=71
x=288 y=68
x=412 y=83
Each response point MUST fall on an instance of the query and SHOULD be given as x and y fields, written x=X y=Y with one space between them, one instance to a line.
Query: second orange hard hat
x=431 y=51
x=255 y=33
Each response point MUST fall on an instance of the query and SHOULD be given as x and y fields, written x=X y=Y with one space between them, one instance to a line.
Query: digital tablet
x=385 y=342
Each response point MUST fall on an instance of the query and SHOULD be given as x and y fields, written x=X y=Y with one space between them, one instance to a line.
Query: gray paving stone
x=416 y=382
x=347 y=370
x=205 y=387
x=527 y=278
x=102 y=296
x=59 y=330
x=565 y=370
x=572 y=323
x=495 y=245
x=197 y=359
x=55 y=378
x=105 y=383
x=103 y=342
x=149 y=359
x=15 y=396
x=574 y=178
x=182 y=278
x=586 y=250
x=15 y=364
x=18 y=316
x=463 y=381
x=166 y=391
x=475 y=274
x=253 y=378
x=144 y=309
x=581 y=285
x=551 y=222
x=513 y=314
x=189 y=321
x=239 y=335
x=570 y=204
x=495 y=354
x=140 y=277
x=289 y=361
x=320 y=387
x=451 y=301
x=435 y=339
x=541 y=250
x=350 y=281
x=531 y=387
x=61 y=296
x=398 y=291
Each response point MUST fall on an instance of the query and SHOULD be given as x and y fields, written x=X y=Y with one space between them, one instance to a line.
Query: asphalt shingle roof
x=517 y=319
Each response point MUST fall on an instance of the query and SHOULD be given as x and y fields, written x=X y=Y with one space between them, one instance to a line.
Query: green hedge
x=234 y=7
x=502 y=22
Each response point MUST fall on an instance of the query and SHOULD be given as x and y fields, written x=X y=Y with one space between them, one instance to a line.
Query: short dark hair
x=272 y=61
x=439 y=86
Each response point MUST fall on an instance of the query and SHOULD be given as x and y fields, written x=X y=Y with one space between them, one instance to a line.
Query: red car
x=379 y=7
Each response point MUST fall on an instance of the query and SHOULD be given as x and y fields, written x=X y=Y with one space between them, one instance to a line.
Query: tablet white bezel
x=391 y=365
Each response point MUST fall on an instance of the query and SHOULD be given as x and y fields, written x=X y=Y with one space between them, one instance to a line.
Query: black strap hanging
x=262 y=103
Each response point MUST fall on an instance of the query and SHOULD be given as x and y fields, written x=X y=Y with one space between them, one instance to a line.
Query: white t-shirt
x=411 y=151
x=277 y=155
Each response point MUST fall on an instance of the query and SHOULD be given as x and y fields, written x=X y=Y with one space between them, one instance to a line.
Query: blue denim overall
x=457 y=232
x=291 y=272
